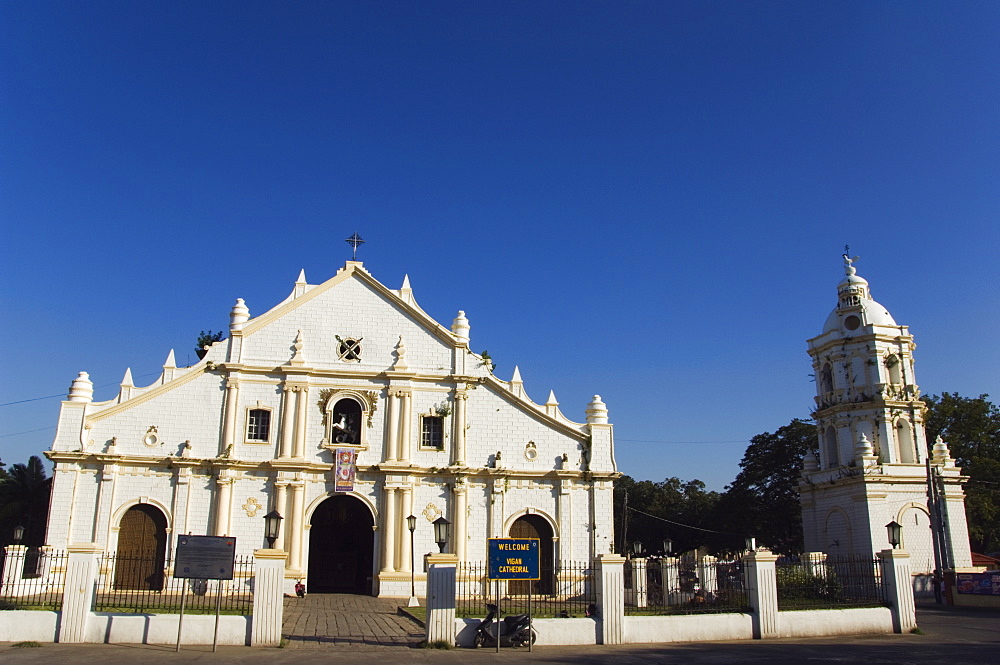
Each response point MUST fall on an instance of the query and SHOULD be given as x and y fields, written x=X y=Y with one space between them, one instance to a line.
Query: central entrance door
x=341 y=547
x=534 y=526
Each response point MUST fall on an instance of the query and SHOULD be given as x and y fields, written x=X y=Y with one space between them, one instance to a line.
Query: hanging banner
x=344 y=471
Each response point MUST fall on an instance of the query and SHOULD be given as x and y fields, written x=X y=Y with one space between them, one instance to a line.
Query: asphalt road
x=951 y=637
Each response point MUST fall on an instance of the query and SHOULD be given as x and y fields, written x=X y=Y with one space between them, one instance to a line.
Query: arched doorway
x=341 y=547
x=142 y=546
x=535 y=526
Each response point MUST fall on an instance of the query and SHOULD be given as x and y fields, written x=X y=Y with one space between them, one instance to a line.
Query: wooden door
x=534 y=526
x=142 y=544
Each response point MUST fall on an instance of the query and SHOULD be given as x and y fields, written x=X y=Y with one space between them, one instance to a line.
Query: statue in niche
x=346 y=422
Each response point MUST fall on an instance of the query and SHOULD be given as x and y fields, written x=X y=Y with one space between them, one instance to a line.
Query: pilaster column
x=389 y=531
x=762 y=585
x=611 y=598
x=639 y=583
x=458 y=436
x=669 y=573
x=229 y=423
x=404 y=429
x=78 y=591
x=223 y=502
x=287 y=422
x=707 y=574
x=268 y=597
x=300 y=422
x=296 y=526
x=898 y=589
x=392 y=426
x=281 y=505
x=441 y=582
x=461 y=537
x=403 y=534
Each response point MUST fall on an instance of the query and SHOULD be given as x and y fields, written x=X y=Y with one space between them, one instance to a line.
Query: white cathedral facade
x=348 y=364
x=874 y=458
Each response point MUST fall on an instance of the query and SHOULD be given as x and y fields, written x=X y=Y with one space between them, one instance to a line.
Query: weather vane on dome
x=849 y=260
x=354 y=241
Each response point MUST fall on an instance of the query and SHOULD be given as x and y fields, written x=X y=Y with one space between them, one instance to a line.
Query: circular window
x=349 y=349
x=852 y=322
x=151 y=439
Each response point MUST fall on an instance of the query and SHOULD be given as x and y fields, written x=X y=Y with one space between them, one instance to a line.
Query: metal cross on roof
x=354 y=241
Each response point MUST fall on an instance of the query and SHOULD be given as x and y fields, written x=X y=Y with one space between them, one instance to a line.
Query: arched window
x=895 y=366
x=830 y=444
x=904 y=439
x=826 y=379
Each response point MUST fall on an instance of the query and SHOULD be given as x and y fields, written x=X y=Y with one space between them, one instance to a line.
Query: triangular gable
x=352 y=269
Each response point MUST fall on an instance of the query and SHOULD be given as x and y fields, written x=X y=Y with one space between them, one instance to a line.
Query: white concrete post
x=268 y=597
x=815 y=563
x=762 y=585
x=670 y=574
x=441 y=581
x=898 y=589
x=611 y=598
x=13 y=567
x=639 y=583
x=79 y=591
x=707 y=575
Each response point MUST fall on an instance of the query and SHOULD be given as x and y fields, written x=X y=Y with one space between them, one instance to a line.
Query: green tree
x=648 y=511
x=207 y=338
x=763 y=500
x=24 y=500
x=971 y=428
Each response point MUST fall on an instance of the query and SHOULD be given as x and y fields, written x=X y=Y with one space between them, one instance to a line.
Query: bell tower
x=873 y=464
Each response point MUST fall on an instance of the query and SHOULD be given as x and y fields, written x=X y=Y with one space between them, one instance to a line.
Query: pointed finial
x=127 y=379
x=460 y=327
x=82 y=389
x=400 y=362
x=517 y=375
x=863 y=449
x=302 y=277
x=355 y=241
x=170 y=363
x=552 y=399
x=597 y=412
x=406 y=283
x=297 y=359
x=238 y=315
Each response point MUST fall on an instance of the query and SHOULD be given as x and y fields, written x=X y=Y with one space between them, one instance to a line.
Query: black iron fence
x=684 y=586
x=32 y=580
x=838 y=582
x=566 y=590
x=143 y=584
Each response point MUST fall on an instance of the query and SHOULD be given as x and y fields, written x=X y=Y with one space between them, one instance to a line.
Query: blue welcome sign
x=513 y=559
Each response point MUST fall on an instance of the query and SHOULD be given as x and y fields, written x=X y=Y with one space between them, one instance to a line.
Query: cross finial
x=847 y=250
x=354 y=241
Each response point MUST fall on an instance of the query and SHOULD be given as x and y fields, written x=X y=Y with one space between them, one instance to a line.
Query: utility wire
x=686 y=526
x=63 y=394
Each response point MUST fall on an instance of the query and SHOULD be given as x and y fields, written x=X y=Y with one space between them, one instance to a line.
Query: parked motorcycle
x=515 y=630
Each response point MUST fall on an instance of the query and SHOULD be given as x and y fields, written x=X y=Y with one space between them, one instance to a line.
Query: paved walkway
x=325 y=619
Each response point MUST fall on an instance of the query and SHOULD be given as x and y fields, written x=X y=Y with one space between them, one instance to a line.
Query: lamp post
x=751 y=544
x=637 y=548
x=411 y=524
x=895 y=531
x=18 y=534
x=272 y=525
x=668 y=546
x=442 y=527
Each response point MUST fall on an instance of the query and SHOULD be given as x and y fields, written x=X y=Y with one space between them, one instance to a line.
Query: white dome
x=874 y=314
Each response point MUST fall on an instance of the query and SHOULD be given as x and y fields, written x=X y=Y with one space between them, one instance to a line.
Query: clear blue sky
x=645 y=200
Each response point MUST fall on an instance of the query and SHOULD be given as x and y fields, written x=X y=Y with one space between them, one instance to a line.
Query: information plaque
x=513 y=559
x=205 y=557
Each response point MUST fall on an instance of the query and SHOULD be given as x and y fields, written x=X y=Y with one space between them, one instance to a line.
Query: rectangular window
x=432 y=432
x=258 y=424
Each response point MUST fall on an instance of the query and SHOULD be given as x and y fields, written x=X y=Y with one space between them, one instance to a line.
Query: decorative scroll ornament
x=251 y=507
x=432 y=512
